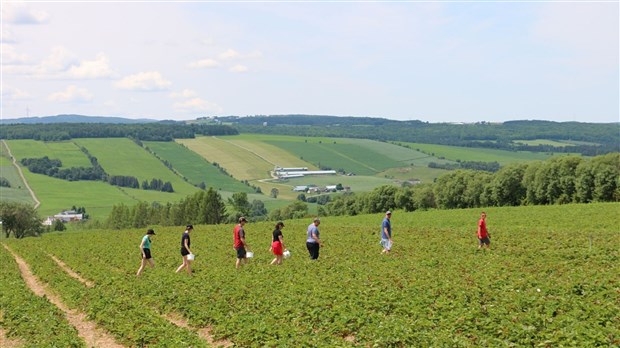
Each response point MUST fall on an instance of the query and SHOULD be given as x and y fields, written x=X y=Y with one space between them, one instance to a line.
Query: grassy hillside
x=66 y=151
x=545 y=282
x=17 y=192
x=454 y=153
x=195 y=168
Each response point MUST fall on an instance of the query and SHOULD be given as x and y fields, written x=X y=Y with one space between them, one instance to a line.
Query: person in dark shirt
x=186 y=251
x=277 y=244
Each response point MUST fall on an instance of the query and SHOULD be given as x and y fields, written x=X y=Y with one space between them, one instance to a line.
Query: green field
x=66 y=151
x=455 y=153
x=17 y=192
x=133 y=160
x=195 y=168
x=547 y=281
x=536 y=142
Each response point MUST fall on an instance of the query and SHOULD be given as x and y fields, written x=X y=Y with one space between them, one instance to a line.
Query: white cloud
x=91 y=69
x=229 y=54
x=239 y=68
x=186 y=93
x=59 y=60
x=7 y=35
x=19 y=14
x=72 y=94
x=144 y=81
x=197 y=105
x=204 y=63
x=11 y=57
x=11 y=93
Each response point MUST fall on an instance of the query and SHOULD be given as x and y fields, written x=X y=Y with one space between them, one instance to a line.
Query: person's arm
x=187 y=246
x=479 y=230
x=387 y=233
x=316 y=238
x=142 y=248
x=281 y=241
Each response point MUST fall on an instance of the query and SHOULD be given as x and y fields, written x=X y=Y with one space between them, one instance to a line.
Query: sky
x=429 y=60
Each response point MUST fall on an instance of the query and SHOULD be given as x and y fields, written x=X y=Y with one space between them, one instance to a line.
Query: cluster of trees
x=143 y=131
x=474 y=165
x=20 y=220
x=157 y=185
x=203 y=207
x=4 y=182
x=568 y=179
x=598 y=138
x=52 y=167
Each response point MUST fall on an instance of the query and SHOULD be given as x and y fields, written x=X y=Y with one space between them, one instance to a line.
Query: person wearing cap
x=145 y=248
x=185 y=250
x=239 y=242
x=386 y=233
x=313 y=242
x=277 y=244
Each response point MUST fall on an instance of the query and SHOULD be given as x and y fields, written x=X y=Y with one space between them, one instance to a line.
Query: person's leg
x=142 y=264
x=238 y=263
x=274 y=260
x=188 y=267
x=280 y=257
x=152 y=263
x=182 y=265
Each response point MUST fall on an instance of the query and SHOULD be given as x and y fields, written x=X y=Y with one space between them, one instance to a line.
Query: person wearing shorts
x=185 y=250
x=484 y=239
x=239 y=242
x=277 y=244
x=145 y=248
x=313 y=242
x=386 y=233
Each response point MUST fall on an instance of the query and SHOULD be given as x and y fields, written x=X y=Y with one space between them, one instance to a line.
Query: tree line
x=588 y=139
x=560 y=180
x=142 y=131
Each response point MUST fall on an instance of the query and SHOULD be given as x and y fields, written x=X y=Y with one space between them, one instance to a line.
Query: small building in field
x=68 y=216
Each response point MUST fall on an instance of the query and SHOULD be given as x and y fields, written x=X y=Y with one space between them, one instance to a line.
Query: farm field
x=435 y=289
x=66 y=151
x=476 y=154
x=17 y=192
x=195 y=168
x=132 y=161
x=544 y=142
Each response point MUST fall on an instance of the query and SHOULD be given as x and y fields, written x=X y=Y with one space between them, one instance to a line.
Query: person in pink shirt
x=484 y=239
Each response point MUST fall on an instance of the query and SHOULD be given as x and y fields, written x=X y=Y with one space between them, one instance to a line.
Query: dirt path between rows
x=71 y=272
x=88 y=330
x=21 y=174
x=6 y=342
x=204 y=333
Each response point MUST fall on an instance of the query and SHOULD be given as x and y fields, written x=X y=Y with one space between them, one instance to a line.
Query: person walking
x=386 y=233
x=239 y=242
x=186 y=251
x=313 y=242
x=145 y=249
x=277 y=244
x=484 y=239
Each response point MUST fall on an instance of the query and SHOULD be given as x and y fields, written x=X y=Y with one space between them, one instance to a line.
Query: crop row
x=31 y=319
x=545 y=281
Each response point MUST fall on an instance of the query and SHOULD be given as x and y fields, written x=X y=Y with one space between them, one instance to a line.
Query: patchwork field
x=546 y=281
x=17 y=192
x=503 y=157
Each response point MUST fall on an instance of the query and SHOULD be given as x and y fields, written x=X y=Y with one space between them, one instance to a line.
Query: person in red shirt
x=484 y=239
x=239 y=242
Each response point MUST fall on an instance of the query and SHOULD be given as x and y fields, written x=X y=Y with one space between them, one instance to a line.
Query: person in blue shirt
x=386 y=233
x=145 y=248
x=313 y=243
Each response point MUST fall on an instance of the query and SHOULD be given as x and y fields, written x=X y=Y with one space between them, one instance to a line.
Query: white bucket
x=191 y=257
x=249 y=254
x=286 y=254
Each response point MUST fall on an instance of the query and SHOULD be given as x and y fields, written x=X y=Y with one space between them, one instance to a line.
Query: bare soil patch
x=204 y=333
x=88 y=330
x=72 y=273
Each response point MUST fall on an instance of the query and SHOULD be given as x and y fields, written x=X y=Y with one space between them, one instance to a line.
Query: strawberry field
x=550 y=279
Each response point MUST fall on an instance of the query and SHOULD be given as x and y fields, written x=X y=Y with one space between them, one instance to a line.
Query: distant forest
x=590 y=138
x=143 y=131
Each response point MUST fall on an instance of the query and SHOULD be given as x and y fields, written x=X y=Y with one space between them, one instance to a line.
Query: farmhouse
x=68 y=215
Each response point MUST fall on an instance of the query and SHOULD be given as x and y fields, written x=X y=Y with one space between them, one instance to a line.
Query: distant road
x=19 y=170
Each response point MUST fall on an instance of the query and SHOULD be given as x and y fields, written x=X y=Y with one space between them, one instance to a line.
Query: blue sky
x=429 y=61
